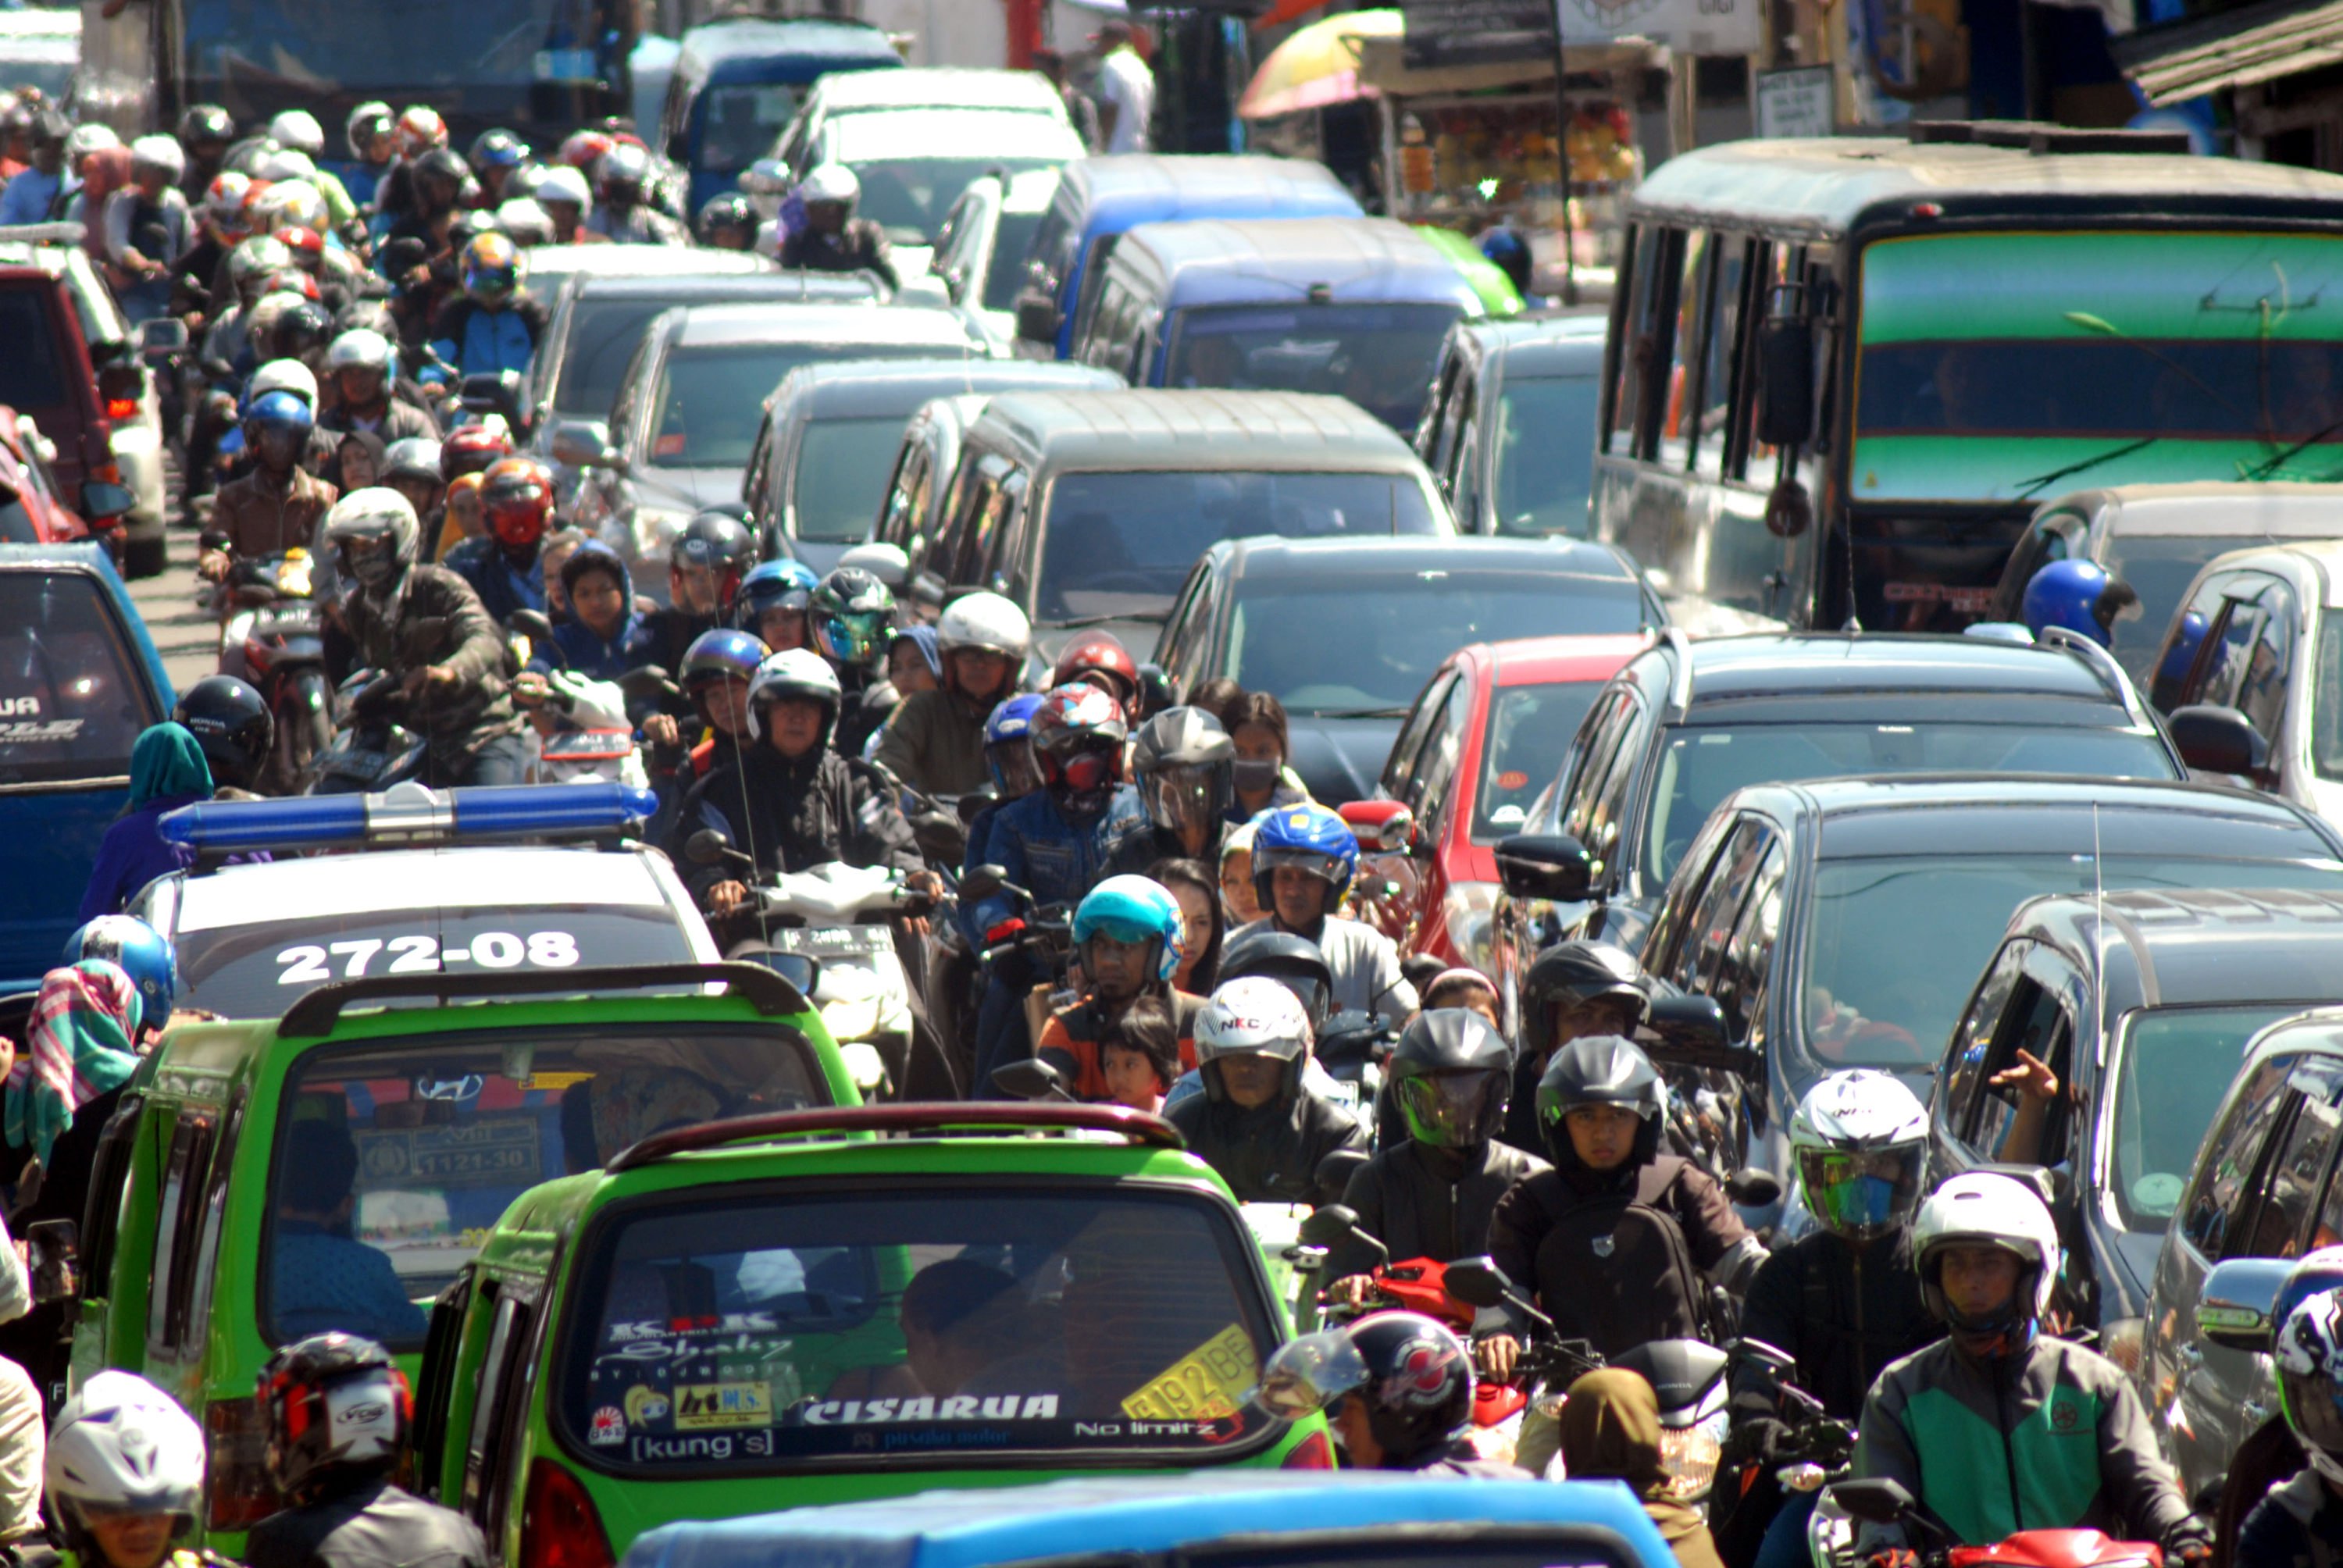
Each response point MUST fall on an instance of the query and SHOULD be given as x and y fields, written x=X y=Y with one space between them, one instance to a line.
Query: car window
x=711 y=400
x=1442 y=749
x=1542 y=435
x=1437 y=429
x=1607 y=807
x=1378 y=355
x=2295 y=1170
x=1746 y=973
x=2040 y=1021
x=1700 y=950
x=1522 y=745
x=2171 y=1064
x=118 y=1142
x=398 y=1155
x=32 y=373
x=840 y=464
x=2225 y=1170
x=2230 y=640
x=178 y=1215
x=1971 y=1048
x=435 y=1386
x=500 y=1385
x=197 y=1320
x=2270 y=663
x=1398 y=780
x=73 y=694
x=1592 y=750
x=602 y=338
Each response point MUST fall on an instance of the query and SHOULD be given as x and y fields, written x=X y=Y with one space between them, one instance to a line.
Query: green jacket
x=934 y=742
x=2051 y=1439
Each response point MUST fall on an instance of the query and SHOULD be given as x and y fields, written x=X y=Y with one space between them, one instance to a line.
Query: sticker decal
x=609 y=1427
x=645 y=1406
x=700 y=1406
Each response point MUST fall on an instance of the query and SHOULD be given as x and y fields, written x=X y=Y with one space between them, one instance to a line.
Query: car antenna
x=2098 y=938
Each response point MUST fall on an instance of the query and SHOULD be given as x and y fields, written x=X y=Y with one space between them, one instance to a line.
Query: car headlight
x=1468 y=912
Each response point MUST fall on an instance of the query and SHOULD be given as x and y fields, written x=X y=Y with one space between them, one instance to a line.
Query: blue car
x=1227 y=1519
x=737 y=83
x=79 y=679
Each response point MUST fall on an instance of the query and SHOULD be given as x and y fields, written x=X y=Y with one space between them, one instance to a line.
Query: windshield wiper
x=2027 y=487
x=1150 y=617
x=1401 y=712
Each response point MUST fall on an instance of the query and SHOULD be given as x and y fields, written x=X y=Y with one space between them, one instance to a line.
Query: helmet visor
x=1452 y=1109
x=1862 y=1192
x=1325 y=867
x=1309 y=1374
x=1013 y=767
x=2314 y=1407
x=370 y=559
x=854 y=638
x=1184 y=796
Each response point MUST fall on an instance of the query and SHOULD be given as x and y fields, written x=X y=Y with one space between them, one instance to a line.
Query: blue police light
x=409 y=814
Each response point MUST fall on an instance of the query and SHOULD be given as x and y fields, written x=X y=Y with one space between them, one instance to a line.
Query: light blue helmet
x=1134 y=909
x=1308 y=836
x=2078 y=595
x=774 y=585
x=143 y=953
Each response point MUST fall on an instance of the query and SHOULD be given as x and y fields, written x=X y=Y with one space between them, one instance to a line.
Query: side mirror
x=1538 y=866
x=1031 y=1079
x=1753 y=1188
x=1037 y=317
x=1477 y=1282
x=708 y=847
x=1382 y=826
x=162 y=336
x=579 y=444
x=1336 y=1169
x=55 y=1246
x=1875 y=1502
x=649 y=683
x=1332 y=1223
x=533 y=625
x=122 y=381
x=1689 y=1031
x=1785 y=381
x=984 y=881
x=102 y=498
x=2234 y=1307
x=2213 y=740
x=1773 y=1359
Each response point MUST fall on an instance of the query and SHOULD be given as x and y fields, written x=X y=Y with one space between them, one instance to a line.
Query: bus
x=1841 y=372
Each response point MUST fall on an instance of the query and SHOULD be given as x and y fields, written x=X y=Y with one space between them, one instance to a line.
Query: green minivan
x=825 y=1306
x=337 y=1168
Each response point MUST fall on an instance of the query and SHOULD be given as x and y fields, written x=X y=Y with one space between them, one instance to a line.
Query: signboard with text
x=1689 y=27
x=1795 y=102
x=1475 y=32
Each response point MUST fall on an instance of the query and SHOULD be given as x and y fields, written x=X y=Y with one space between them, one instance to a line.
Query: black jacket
x=1843 y=1311
x=374 y=1526
x=860 y=247
x=795 y=814
x=1427 y=1202
x=1269 y=1154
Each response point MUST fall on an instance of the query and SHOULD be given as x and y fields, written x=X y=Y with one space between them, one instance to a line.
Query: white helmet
x=830 y=183
x=298 y=129
x=93 y=137
x=1253 y=1016
x=796 y=672
x=625 y=162
x=375 y=525
x=561 y=183
x=524 y=221
x=361 y=349
x=291 y=202
x=1859 y=1142
x=255 y=258
x=162 y=153
x=984 y=621
x=888 y=562
x=1983 y=1209
x=122 y=1445
x=282 y=375
x=413 y=457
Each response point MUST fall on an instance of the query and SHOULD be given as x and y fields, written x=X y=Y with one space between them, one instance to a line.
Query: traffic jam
x=796 y=795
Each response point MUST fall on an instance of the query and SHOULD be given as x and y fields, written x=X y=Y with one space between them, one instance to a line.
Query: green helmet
x=850 y=615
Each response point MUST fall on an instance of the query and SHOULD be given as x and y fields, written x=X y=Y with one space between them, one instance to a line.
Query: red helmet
x=421 y=129
x=303 y=242
x=472 y=449
x=1077 y=736
x=516 y=501
x=1099 y=660
x=584 y=149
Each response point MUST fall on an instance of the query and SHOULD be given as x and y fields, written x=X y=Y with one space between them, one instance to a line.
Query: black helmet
x=205 y=122
x=232 y=724
x=729 y=209
x=719 y=541
x=1185 y=765
x=1293 y=962
x=1414 y=1376
x=1452 y=1075
x=1599 y=1070
x=339 y=1412
x=301 y=329
x=1571 y=974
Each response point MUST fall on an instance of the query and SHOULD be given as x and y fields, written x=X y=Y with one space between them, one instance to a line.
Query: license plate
x=1210 y=1380
x=834 y=941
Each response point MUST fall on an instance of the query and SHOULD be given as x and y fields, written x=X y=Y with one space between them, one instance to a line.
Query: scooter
x=273 y=629
x=371 y=750
x=1879 y=1501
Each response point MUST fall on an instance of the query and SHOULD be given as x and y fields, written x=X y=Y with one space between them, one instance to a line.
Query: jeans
x=1785 y=1545
x=1001 y=1033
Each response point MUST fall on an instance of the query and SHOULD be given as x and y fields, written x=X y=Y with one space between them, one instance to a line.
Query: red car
x=1488 y=731
x=30 y=511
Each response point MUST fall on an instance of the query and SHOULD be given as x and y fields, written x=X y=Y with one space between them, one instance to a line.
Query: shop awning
x=2235 y=49
x=1316 y=66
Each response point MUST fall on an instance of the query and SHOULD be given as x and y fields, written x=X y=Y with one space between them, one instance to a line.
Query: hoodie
x=168 y=770
x=630 y=646
x=1610 y=1431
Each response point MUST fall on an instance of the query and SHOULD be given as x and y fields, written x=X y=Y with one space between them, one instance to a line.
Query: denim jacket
x=1052 y=859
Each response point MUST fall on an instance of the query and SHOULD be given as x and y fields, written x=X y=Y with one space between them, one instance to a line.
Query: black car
x=2142 y=1002
x=1843 y=922
x=1687 y=723
x=1346 y=631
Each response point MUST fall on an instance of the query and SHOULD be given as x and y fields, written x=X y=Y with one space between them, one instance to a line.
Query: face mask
x=1256 y=773
x=372 y=567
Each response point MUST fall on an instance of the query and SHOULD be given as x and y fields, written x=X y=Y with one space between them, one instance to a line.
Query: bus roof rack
x=769 y=993
x=2039 y=138
x=912 y=1118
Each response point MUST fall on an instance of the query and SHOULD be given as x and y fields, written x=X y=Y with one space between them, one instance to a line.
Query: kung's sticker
x=702 y=1405
x=1208 y=1382
x=607 y=1428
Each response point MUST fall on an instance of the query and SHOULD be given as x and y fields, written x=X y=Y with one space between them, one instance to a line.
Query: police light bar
x=409 y=814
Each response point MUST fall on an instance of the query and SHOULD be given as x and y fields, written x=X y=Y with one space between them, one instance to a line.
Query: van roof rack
x=2039 y=138
x=903 y=1120
x=769 y=993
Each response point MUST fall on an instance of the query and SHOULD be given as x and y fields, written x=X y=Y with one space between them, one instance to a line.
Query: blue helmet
x=143 y=953
x=1008 y=746
x=279 y=411
x=774 y=585
x=1134 y=909
x=1308 y=836
x=2071 y=594
x=720 y=655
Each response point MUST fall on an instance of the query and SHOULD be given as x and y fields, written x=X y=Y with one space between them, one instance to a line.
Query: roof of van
x=821 y=43
x=1825 y=186
x=896 y=388
x=2214 y=508
x=1193 y=429
x=942 y=87
x=1271 y=260
x=1148 y=188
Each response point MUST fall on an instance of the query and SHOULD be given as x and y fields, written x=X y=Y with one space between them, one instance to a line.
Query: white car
x=980 y=250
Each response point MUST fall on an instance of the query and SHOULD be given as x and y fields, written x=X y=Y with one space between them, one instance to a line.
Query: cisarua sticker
x=928 y=1408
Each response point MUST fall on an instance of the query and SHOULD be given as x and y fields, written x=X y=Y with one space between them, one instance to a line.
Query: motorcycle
x=1043 y=940
x=371 y=750
x=273 y=630
x=1880 y=1501
x=582 y=732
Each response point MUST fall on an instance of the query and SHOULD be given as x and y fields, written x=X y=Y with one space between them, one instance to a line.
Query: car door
x=2248 y=659
x=1179 y=645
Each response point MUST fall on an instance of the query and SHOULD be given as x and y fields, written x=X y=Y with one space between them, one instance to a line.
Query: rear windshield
x=1545 y=432
x=740 y=122
x=395 y=1158
x=31 y=374
x=72 y=697
x=1380 y=356
x=1530 y=731
x=243 y=972
x=1012 y=242
x=763 y=1335
x=711 y=402
x=843 y=466
x=600 y=341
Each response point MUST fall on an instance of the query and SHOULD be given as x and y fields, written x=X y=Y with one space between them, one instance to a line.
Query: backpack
x=1630 y=1271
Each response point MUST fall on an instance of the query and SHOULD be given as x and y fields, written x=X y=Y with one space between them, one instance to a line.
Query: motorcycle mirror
x=1334 y=1171
x=707 y=848
x=975 y=803
x=1478 y=1282
x=1772 y=1358
x=533 y=625
x=1753 y=1188
x=649 y=680
x=1031 y=1079
x=984 y=881
x=1325 y=1226
x=1876 y=1500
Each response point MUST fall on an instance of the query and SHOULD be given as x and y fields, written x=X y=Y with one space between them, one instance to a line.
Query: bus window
x=1639 y=401
x=1708 y=411
x=1742 y=387
x=1695 y=278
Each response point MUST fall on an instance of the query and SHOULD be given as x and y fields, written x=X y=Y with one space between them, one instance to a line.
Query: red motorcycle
x=1883 y=1501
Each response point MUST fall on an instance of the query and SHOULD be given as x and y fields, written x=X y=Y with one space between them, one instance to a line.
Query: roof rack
x=2039 y=139
x=940 y=1116
x=769 y=993
x=2101 y=663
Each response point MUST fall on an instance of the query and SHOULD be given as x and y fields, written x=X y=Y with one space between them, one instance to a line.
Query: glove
x=2188 y=1542
x=1758 y=1441
x=1894 y=1557
x=1005 y=931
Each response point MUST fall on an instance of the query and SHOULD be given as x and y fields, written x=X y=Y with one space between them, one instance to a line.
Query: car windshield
x=1331 y=648
x=740 y=122
x=31 y=375
x=2173 y=1065
x=1700 y=765
x=393 y=1158
x=909 y=197
x=246 y=971
x=1530 y=731
x=601 y=340
x=1543 y=470
x=843 y=466
x=711 y=402
x=754 y=1333
x=1380 y=356
x=73 y=695
x=1893 y=944
x=1013 y=240
x=1122 y=543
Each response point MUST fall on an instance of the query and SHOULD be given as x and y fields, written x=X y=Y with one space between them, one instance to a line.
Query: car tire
x=145 y=558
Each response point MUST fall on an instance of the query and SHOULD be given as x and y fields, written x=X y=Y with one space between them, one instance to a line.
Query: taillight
x=559 y=1525
x=111 y=472
x=1315 y=1451
x=241 y=1494
x=122 y=408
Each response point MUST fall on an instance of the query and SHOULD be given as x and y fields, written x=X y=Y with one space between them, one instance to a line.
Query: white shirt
x=1124 y=81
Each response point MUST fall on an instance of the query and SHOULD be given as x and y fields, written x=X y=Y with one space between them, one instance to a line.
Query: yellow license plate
x=1210 y=1380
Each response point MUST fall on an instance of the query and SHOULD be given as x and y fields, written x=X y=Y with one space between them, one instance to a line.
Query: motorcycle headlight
x=1468 y=911
x=1688 y=1456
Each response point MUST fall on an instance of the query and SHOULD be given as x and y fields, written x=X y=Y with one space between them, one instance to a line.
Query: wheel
x=145 y=558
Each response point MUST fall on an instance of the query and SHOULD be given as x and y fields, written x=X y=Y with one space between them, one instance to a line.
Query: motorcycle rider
x=717 y=670
x=785 y=798
x=727 y=221
x=363 y=366
x=495 y=323
x=1258 y=1122
x=2000 y=1427
x=496 y=154
x=204 y=133
x=339 y=1414
x=705 y=566
x=503 y=564
x=277 y=505
x=1396 y=1388
x=1430 y=1196
x=1009 y=754
x=2283 y=1511
x=772 y=603
x=1099 y=658
x=562 y=193
x=374 y=150
x=935 y=740
x=1572 y=990
x=832 y=238
x=1186 y=769
x=425 y=623
x=231 y=723
x=1303 y=859
x=414 y=466
x=1843 y=1299
x=605 y=635
x=124 y=1475
x=624 y=216
x=2081 y=596
x=850 y=614
x=147 y=227
x=1127 y=933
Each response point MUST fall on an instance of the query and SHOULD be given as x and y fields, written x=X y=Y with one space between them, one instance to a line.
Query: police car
x=287 y=895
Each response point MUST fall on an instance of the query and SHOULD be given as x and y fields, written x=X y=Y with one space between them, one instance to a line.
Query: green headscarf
x=165 y=763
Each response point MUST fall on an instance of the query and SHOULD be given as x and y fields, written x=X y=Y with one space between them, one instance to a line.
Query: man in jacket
x=1257 y=1123
x=832 y=239
x=1303 y=859
x=276 y=506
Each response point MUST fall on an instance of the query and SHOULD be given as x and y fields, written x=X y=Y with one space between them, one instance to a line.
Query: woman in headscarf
x=168 y=770
x=357 y=460
x=1610 y=1431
